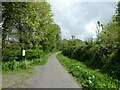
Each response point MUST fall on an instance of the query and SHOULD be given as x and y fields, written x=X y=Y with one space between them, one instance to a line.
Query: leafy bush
x=67 y=51
x=13 y=54
x=24 y=64
x=113 y=67
x=97 y=56
x=10 y=54
x=15 y=65
x=33 y=54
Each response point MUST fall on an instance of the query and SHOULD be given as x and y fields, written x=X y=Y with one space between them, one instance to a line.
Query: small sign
x=23 y=52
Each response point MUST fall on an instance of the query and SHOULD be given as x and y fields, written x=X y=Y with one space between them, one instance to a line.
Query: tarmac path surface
x=50 y=75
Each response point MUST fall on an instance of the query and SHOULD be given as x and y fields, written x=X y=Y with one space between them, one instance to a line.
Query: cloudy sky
x=79 y=18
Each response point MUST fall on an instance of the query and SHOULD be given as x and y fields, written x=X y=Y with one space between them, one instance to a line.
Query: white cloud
x=90 y=29
x=79 y=17
x=66 y=34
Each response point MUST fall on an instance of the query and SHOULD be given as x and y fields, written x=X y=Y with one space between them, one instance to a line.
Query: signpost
x=23 y=53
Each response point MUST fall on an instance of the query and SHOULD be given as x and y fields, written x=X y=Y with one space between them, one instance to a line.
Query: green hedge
x=24 y=64
x=10 y=54
x=97 y=56
x=33 y=54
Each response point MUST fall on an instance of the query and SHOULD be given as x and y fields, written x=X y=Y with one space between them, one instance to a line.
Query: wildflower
x=90 y=81
x=93 y=76
x=89 y=77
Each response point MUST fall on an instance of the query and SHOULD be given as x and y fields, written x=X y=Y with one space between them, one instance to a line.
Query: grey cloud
x=73 y=18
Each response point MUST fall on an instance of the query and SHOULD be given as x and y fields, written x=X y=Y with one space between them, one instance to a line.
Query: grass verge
x=85 y=76
x=24 y=65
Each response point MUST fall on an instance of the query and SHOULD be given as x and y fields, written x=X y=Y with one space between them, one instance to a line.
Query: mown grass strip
x=87 y=77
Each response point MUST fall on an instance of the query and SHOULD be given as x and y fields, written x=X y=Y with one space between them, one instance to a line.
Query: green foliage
x=113 y=65
x=33 y=54
x=28 y=25
x=42 y=60
x=10 y=54
x=118 y=12
x=101 y=53
x=24 y=64
x=97 y=56
x=87 y=77
x=15 y=65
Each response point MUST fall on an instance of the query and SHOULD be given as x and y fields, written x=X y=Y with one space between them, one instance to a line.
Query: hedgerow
x=87 y=77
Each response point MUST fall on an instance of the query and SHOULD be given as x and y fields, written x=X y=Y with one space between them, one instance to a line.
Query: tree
x=118 y=19
x=28 y=26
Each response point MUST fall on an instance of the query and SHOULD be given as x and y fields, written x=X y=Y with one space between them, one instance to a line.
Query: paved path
x=50 y=75
x=53 y=75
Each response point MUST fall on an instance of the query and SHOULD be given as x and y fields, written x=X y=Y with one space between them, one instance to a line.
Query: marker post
x=23 y=54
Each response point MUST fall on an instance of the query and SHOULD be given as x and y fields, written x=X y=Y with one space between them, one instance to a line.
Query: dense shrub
x=12 y=59
x=15 y=65
x=113 y=67
x=10 y=54
x=97 y=56
x=33 y=54
x=68 y=51
x=13 y=54
x=24 y=64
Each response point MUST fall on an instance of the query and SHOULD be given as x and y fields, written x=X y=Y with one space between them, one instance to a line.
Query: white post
x=23 y=52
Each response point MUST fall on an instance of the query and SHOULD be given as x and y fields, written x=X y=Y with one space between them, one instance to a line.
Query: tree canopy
x=29 y=25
